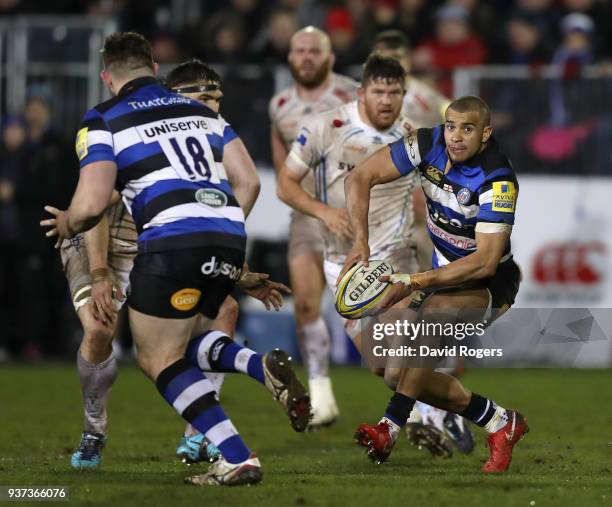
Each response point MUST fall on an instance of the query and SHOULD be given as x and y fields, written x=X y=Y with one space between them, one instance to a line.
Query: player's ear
x=332 y=59
x=361 y=94
x=486 y=133
x=155 y=68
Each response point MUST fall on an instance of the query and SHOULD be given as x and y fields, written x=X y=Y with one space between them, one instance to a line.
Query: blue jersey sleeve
x=413 y=149
x=94 y=141
x=498 y=196
x=229 y=134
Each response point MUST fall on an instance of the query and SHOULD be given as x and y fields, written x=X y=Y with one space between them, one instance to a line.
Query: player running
x=316 y=89
x=165 y=153
x=471 y=192
x=425 y=107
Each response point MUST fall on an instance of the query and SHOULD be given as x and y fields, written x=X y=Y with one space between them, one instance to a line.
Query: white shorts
x=76 y=268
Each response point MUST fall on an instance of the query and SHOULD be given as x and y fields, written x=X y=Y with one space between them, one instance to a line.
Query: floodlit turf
x=566 y=459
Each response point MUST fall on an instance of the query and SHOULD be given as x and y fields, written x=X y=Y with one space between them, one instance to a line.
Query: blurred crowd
x=444 y=33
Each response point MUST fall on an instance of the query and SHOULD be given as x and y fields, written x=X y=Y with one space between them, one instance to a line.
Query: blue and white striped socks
x=192 y=395
x=215 y=351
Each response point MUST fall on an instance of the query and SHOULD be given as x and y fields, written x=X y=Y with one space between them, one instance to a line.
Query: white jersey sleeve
x=307 y=150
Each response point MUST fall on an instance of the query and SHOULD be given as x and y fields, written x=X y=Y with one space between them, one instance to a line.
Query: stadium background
x=543 y=65
x=550 y=89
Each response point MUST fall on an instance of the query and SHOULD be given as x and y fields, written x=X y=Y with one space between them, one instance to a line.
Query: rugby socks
x=192 y=395
x=216 y=379
x=316 y=344
x=485 y=413
x=96 y=382
x=217 y=352
x=398 y=412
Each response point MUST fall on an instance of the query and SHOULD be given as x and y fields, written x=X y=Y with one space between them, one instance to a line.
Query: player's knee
x=307 y=309
x=229 y=310
x=391 y=377
x=98 y=335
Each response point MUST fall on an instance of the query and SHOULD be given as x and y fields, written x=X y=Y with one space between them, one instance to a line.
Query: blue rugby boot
x=89 y=452
x=195 y=449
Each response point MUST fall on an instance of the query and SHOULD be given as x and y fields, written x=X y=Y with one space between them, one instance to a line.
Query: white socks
x=96 y=381
x=316 y=344
x=498 y=421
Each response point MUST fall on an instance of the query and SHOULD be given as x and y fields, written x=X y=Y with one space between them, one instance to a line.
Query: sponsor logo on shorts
x=211 y=197
x=214 y=268
x=185 y=299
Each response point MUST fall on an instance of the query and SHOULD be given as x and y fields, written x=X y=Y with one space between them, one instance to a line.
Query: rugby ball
x=359 y=290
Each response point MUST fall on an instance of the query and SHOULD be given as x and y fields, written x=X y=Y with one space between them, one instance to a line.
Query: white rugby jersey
x=288 y=111
x=423 y=104
x=330 y=145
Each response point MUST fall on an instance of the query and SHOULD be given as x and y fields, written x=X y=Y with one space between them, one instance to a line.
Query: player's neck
x=314 y=94
x=119 y=84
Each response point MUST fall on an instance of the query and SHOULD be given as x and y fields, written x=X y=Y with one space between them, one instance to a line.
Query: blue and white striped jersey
x=478 y=192
x=169 y=151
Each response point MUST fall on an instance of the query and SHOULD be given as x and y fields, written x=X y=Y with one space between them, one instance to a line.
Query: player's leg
x=193 y=447
x=448 y=393
x=308 y=283
x=96 y=364
x=160 y=345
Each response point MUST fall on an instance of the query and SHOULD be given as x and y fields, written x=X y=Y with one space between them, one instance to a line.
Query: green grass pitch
x=566 y=459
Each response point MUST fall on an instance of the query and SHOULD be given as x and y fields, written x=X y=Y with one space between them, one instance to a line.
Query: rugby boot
x=222 y=473
x=195 y=449
x=457 y=428
x=281 y=381
x=425 y=436
x=89 y=452
x=502 y=442
x=379 y=440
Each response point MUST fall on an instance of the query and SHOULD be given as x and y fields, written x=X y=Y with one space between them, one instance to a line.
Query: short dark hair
x=126 y=51
x=472 y=103
x=191 y=71
x=391 y=39
x=379 y=67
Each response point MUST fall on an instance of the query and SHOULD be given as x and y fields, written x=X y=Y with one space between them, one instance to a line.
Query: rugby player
x=425 y=107
x=316 y=89
x=330 y=145
x=165 y=153
x=471 y=192
x=97 y=265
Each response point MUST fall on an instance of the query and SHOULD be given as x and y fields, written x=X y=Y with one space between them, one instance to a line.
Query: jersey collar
x=134 y=84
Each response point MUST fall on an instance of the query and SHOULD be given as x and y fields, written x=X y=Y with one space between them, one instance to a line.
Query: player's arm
x=382 y=167
x=90 y=200
x=306 y=153
x=279 y=150
x=96 y=246
x=242 y=174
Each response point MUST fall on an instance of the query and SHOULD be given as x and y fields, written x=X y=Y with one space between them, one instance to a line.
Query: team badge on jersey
x=185 y=299
x=81 y=143
x=463 y=196
x=504 y=196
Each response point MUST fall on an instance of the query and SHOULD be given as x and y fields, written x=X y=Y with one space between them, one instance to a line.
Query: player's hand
x=402 y=287
x=103 y=296
x=338 y=222
x=259 y=286
x=59 y=225
x=360 y=253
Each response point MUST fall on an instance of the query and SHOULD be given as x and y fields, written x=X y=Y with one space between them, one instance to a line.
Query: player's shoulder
x=344 y=87
x=495 y=164
x=431 y=139
x=281 y=98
